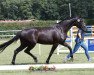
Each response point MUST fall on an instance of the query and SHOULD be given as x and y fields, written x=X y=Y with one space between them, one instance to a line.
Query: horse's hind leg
x=20 y=48
x=51 y=52
x=27 y=50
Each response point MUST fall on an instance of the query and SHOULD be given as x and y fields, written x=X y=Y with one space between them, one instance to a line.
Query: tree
x=45 y=9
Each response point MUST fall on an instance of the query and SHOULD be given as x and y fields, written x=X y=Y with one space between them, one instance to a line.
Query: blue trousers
x=76 y=47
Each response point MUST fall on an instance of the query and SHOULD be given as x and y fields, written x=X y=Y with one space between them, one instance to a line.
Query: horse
x=53 y=35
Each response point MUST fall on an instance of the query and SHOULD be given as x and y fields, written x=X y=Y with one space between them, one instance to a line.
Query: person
x=80 y=43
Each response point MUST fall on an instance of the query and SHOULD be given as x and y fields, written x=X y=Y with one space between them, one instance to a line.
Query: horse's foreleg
x=28 y=52
x=20 y=48
x=51 y=52
x=70 y=49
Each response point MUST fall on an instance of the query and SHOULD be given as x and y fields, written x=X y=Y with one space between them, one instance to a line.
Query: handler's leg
x=77 y=45
x=86 y=51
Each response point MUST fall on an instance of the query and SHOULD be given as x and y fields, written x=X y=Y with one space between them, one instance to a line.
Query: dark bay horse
x=47 y=35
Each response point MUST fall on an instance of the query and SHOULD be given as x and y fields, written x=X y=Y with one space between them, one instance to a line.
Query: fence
x=8 y=33
x=11 y=33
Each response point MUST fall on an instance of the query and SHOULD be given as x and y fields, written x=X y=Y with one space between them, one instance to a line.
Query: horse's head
x=79 y=22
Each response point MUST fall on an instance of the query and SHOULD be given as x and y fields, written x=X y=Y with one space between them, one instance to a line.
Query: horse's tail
x=4 y=45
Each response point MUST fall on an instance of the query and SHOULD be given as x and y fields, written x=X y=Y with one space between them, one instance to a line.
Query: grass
x=60 y=72
x=22 y=58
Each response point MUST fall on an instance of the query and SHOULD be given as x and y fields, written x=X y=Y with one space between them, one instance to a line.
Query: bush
x=24 y=25
x=89 y=21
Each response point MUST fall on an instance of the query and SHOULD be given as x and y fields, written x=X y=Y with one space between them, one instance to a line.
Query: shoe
x=89 y=59
x=66 y=59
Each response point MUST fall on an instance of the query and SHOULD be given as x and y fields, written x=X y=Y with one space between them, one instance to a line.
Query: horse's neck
x=66 y=27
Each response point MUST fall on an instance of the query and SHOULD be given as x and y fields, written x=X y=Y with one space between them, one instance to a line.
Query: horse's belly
x=48 y=38
x=46 y=41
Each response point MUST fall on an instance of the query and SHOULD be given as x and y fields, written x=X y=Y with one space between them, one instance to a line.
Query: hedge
x=33 y=23
x=89 y=21
x=24 y=25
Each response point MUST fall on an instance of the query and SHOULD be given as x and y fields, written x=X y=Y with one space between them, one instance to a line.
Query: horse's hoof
x=72 y=59
x=13 y=63
x=47 y=62
x=36 y=61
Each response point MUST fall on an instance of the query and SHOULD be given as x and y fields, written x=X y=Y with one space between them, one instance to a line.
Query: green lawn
x=22 y=58
x=60 y=72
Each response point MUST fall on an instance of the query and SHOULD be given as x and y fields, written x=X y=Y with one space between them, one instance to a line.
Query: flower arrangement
x=42 y=68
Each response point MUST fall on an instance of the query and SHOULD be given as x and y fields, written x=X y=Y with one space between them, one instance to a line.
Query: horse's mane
x=69 y=20
x=61 y=23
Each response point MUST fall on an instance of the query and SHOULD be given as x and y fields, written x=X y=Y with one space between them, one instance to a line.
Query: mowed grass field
x=23 y=58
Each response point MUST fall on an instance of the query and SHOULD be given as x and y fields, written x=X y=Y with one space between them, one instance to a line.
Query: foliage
x=89 y=21
x=45 y=9
x=24 y=25
x=42 y=68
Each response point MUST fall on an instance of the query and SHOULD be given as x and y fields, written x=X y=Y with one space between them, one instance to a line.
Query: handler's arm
x=79 y=34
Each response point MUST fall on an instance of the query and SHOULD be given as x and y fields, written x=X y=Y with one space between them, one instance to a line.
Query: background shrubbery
x=35 y=23
x=45 y=9
x=89 y=21
x=24 y=25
